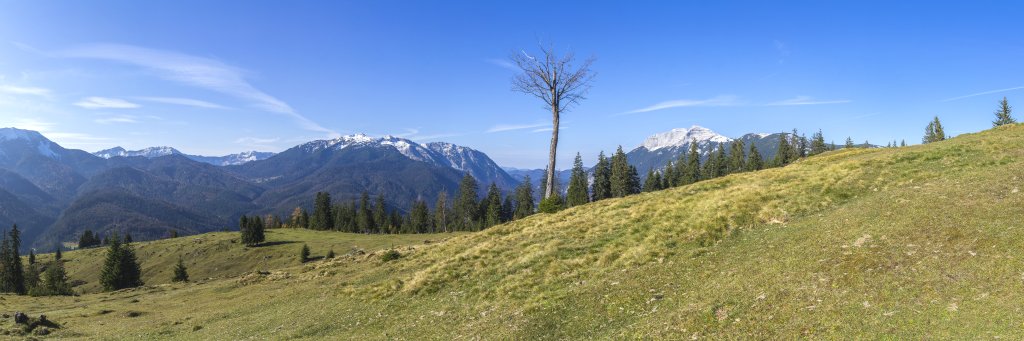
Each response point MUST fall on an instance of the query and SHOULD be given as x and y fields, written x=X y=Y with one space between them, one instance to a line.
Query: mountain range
x=54 y=193
x=153 y=152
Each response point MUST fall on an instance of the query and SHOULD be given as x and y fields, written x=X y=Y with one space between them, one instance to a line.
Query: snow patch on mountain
x=151 y=152
x=681 y=136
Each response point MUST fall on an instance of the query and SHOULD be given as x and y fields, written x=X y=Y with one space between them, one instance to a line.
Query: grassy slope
x=907 y=243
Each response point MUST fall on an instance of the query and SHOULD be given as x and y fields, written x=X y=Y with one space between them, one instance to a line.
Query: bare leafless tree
x=560 y=84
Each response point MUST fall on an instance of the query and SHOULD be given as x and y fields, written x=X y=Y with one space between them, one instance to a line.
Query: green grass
x=909 y=243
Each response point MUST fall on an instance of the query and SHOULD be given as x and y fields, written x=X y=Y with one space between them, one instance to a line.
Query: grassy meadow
x=919 y=242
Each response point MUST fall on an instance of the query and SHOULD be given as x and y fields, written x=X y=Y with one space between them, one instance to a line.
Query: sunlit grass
x=915 y=242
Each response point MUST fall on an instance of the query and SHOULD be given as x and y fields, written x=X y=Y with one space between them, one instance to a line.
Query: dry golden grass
x=916 y=242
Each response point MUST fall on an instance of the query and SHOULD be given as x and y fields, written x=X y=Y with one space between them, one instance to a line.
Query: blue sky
x=222 y=77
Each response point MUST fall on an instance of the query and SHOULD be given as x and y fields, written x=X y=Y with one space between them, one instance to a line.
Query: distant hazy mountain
x=153 y=152
x=54 y=193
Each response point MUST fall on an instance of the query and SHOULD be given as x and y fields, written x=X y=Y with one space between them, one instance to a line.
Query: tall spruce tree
x=466 y=206
x=737 y=157
x=524 y=199
x=364 y=217
x=691 y=172
x=754 y=160
x=442 y=214
x=933 y=132
x=602 y=186
x=12 y=274
x=120 y=268
x=507 y=208
x=620 y=180
x=668 y=179
x=818 y=145
x=652 y=182
x=322 y=218
x=492 y=204
x=849 y=142
x=782 y=156
x=577 y=194
x=1004 y=115
x=380 y=216
x=419 y=218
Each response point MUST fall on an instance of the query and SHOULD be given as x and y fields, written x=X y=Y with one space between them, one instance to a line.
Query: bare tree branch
x=558 y=83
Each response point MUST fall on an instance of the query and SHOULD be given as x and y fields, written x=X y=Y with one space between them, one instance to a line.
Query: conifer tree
x=691 y=172
x=492 y=214
x=737 y=157
x=442 y=215
x=577 y=194
x=364 y=218
x=323 y=218
x=32 y=281
x=31 y=257
x=1004 y=115
x=121 y=268
x=754 y=160
x=524 y=199
x=57 y=255
x=180 y=272
x=903 y=143
x=934 y=132
x=783 y=153
x=54 y=282
x=652 y=182
x=507 y=208
x=304 y=254
x=419 y=217
x=849 y=142
x=602 y=186
x=818 y=145
x=466 y=207
x=12 y=274
x=380 y=217
x=620 y=178
x=330 y=254
x=668 y=179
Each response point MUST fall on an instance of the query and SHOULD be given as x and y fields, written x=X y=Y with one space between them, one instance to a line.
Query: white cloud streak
x=510 y=127
x=117 y=119
x=195 y=71
x=23 y=90
x=806 y=100
x=182 y=101
x=982 y=93
x=105 y=103
x=719 y=101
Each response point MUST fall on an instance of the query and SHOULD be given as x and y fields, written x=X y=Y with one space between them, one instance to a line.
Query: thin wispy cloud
x=548 y=129
x=105 y=103
x=807 y=100
x=195 y=71
x=24 y=90
x=182 y=101
x=256 y=140
x=501 y=63
x=117 y=119
x=982 y=93
x=510 y=127
x=719 y=101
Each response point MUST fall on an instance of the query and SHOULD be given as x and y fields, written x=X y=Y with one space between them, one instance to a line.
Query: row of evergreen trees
x=467 y=211
x=36 y=279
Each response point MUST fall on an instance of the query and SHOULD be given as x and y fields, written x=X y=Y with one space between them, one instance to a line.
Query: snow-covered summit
x=681 y=136
x=151 y=152
x=7 y=134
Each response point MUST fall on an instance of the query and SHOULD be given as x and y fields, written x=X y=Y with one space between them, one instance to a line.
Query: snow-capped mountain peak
x=681 y=136
x=151 y=152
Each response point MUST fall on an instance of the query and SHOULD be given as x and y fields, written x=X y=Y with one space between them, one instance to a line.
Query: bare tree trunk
x=551 y=155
